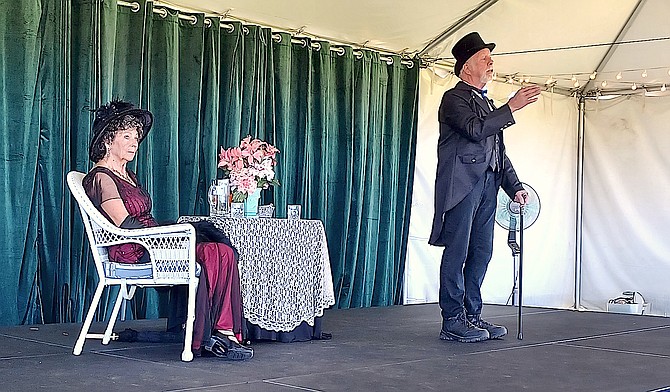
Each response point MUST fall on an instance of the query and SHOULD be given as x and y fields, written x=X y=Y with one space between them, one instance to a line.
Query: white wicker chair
x=171 y=250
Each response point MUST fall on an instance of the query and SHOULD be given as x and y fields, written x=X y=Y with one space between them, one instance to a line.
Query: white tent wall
x=543 y=148
x=626 y=213
x=624 y=209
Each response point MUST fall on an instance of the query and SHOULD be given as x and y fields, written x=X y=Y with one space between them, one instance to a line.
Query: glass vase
x=251 y=203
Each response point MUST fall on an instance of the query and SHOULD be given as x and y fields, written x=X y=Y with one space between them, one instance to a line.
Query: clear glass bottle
x=223 y=197
x=213 y=197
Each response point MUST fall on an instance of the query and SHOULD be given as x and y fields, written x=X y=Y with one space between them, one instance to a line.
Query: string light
x=606 y=79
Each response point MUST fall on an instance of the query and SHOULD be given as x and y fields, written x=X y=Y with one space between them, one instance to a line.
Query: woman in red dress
x=118 y=129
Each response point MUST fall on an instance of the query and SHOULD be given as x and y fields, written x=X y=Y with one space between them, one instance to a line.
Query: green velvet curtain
x=345 y=122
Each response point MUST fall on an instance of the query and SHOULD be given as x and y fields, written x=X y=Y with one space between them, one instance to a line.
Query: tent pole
x=478 y=10
x=580 y=204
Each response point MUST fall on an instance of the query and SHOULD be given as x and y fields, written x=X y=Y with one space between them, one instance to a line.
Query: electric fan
x=513 y=217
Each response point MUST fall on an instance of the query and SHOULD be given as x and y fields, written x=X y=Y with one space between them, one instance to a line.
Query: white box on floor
x=626 y=308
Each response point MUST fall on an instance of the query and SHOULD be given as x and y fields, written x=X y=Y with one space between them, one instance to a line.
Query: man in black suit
x=472 y=165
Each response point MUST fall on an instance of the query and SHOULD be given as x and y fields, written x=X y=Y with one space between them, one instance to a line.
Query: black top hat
x=466 y=47
x=105 y=115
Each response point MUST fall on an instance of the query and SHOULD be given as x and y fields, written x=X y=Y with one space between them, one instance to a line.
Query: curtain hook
x=228 y=26
x=162 y=12
x=387 y=59
x=134 y=6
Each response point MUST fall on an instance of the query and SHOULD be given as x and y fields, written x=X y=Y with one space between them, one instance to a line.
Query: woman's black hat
x=106 y=114
x=466 y=47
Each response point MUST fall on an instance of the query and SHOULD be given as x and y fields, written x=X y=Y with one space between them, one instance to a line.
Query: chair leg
x=79 y=345
x=187 y=354
x=124 y=294
x=123 y=309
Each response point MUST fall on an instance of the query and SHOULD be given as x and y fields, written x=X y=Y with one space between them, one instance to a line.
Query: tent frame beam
x=610 y=51
x=467 y=18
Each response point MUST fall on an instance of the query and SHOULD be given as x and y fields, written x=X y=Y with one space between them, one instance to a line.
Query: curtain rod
x=339 y=50
x=135 y=7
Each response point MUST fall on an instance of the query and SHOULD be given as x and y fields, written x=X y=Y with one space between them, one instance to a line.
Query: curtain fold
x=18 y=152
x=345 y=125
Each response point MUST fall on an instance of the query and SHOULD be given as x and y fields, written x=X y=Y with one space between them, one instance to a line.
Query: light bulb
x=663 y=88
x=573 y=78
x=527 y=80
x=644 y=73
x=604 y=83
x=618 y=76
x=576 y=84
x=633 y=87
x=549 y=81
x=593 y=75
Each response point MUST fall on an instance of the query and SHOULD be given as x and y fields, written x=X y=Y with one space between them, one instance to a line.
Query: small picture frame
x=266 y=211
x=293 y=211
x=237 y=210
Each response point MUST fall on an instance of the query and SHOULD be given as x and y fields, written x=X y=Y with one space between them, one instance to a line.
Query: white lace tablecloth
x=284 y=268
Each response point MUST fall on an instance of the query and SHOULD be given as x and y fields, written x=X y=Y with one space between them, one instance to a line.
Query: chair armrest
x=163 y=229
x=171 y=248
x=120 y=236
x=178 y=228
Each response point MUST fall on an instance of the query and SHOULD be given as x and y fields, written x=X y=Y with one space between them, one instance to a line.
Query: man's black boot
x=495 y=331
x=460 y=329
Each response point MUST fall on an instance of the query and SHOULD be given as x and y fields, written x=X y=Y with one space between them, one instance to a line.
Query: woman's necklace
x=121 y=174
x=125 y=175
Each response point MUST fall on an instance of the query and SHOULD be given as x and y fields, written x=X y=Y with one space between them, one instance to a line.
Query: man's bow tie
x=482 y=93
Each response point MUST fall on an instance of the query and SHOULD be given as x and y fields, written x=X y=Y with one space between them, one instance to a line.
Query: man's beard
x=486 y=77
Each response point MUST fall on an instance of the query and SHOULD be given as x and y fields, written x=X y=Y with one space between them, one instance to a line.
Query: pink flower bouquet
x=249 y=166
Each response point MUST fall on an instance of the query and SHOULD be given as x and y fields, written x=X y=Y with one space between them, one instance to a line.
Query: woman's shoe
x=223 y=347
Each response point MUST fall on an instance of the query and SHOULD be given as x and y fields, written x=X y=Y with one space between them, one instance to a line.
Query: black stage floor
x=373 y=349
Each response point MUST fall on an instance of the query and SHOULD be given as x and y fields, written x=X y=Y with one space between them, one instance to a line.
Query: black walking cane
x=519 y=323
x=513 y=216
